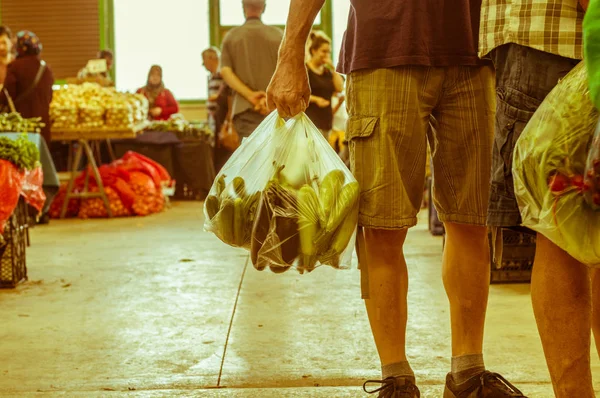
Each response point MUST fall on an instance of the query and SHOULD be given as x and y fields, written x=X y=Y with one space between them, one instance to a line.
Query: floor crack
x=237 y=297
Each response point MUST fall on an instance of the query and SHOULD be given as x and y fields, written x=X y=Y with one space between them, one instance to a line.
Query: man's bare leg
x=466 y=275
x=387 y=305
x=596 y=307
x=560 y=291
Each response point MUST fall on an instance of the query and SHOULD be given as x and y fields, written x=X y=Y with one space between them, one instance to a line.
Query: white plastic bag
x=286 y=196
x=549 y=169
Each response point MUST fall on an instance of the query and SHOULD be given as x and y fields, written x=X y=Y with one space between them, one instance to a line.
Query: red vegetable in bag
x=11 y=181
x=33 y=190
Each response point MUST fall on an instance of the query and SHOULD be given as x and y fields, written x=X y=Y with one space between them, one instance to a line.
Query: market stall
x=89 y=114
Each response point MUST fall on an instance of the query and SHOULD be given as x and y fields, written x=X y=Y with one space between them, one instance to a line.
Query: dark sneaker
x=392 y=387
x=485 y=385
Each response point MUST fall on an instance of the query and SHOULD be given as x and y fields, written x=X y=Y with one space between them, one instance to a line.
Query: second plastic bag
x=549 y=169
x=286 y=196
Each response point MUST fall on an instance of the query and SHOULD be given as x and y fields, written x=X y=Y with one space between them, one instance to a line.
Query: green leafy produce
x=15 y=123
x=21 y=152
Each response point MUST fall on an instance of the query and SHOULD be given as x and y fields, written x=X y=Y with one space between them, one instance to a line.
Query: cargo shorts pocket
x=364 y=151
x=361 y=126
x=510 y=123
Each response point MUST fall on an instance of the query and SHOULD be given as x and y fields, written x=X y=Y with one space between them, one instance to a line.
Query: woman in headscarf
x=29 y=81
x=162 y=102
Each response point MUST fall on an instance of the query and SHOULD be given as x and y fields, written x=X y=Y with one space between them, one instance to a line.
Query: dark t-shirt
x=389 y=33
x=321 y=86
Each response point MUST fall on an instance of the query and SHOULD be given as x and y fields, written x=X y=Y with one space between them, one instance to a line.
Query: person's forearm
x=235 y=83
x=339 y=105
x=299 y=24
x=314 y=98
x=338 y=82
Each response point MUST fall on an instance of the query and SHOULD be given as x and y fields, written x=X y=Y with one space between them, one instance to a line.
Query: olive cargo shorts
x=394 y=113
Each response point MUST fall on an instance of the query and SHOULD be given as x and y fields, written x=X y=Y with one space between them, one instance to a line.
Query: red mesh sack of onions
x=148 y=199
x=95 y=208
x=57 y=204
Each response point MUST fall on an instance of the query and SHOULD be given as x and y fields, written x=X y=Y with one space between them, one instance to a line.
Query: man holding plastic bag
x=412 y=63
x=533 y=48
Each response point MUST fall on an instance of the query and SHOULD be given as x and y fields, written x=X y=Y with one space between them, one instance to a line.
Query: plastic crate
x=13 y=266
x=518 y=254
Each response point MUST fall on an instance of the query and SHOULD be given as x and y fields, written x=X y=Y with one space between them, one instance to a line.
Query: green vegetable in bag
x=549 y=166
x=289 y=199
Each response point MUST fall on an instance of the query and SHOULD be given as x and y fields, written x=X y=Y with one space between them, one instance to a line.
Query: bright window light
x=341 y=8
x=148 y=33
x=276 y=12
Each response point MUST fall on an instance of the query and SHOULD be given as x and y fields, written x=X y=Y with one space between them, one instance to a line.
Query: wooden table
x=85 y=138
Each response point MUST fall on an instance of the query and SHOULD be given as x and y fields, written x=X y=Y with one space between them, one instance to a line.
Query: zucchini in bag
x=287 y=197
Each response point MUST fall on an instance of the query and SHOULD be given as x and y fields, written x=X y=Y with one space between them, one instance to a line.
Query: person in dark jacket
x=29 y=81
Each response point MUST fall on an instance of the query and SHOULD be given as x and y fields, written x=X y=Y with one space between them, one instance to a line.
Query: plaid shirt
x=553 y=26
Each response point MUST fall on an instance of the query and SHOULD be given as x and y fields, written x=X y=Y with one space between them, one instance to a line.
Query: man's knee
x=466 y=233
x=385 y=238
x=384 y=246
x=550 y=254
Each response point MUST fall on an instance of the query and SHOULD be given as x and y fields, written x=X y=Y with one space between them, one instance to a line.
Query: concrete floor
x=156 y=307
